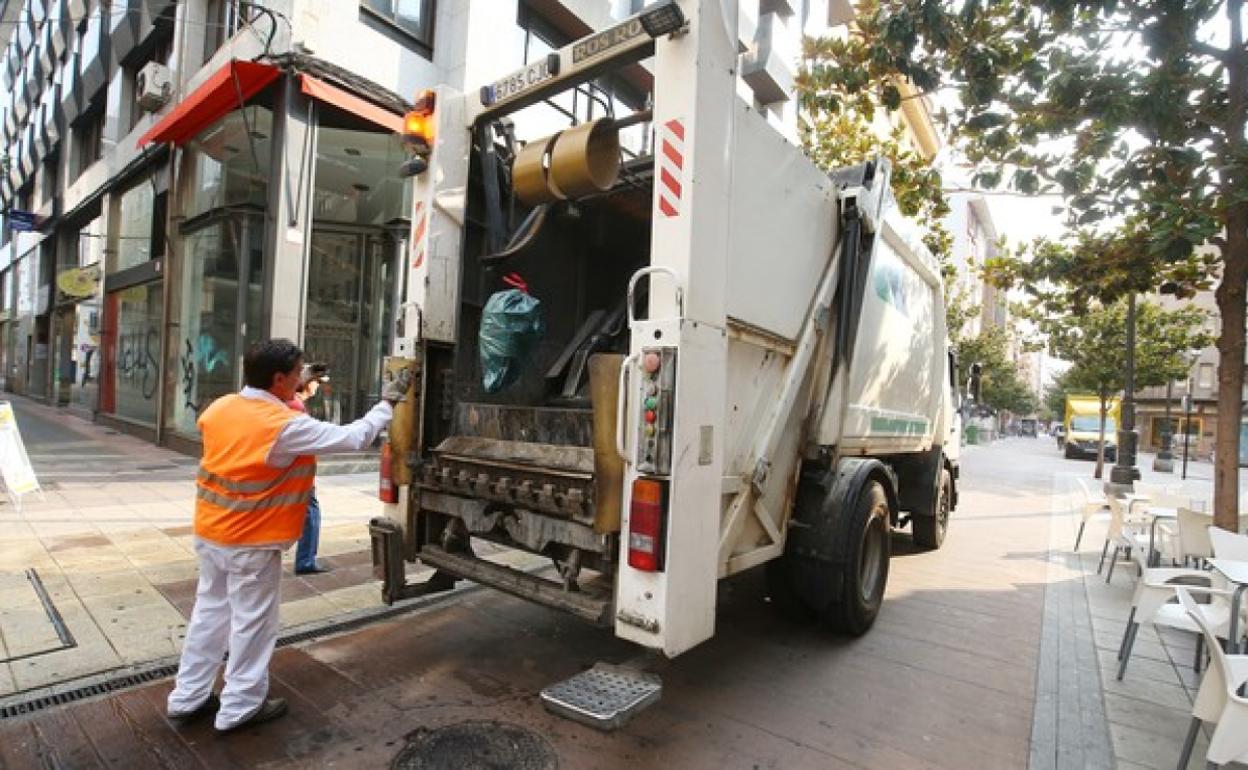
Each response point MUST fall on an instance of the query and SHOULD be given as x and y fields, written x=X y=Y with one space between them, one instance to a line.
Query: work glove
x=395 y=391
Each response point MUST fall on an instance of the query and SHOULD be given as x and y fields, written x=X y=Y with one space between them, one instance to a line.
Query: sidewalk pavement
x=110 y=541
x=1148 y=712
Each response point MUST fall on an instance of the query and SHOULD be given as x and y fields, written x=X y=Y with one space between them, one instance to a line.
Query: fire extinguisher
x=387 y=491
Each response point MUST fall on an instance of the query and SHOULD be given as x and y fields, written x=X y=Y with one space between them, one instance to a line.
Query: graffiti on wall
x=136 y=360
x=202 y=354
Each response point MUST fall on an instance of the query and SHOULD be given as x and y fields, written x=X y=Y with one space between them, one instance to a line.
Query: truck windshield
x=1091 y=423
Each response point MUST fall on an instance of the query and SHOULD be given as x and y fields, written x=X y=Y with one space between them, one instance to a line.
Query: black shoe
x=316 y=569
x=209 y=706
x=271 y=709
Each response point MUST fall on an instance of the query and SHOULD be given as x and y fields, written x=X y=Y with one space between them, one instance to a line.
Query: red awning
x=228 y=89
x=344 y=100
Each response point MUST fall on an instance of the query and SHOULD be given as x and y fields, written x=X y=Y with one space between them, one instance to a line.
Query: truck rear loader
x=744 y=358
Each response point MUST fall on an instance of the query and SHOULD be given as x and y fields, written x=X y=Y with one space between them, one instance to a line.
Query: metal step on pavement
x=604 y=697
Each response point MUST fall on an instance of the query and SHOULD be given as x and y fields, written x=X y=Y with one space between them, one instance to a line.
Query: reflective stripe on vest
x=254 y=487
x=240 y=499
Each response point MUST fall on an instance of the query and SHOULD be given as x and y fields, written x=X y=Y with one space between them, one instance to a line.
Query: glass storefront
x=132 y=353
x=220 y=314
x=356 y=195
x=134 y=229
x=348 y=317
x=230 y=162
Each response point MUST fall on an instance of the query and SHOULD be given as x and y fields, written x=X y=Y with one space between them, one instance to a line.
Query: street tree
x=1094 y=342
x=1135 y=111
x=1002 y=388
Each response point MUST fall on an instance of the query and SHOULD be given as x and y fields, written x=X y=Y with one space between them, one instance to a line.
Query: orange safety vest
x=239 y=499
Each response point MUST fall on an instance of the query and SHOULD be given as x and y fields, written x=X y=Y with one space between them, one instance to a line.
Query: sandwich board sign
x=19 y=477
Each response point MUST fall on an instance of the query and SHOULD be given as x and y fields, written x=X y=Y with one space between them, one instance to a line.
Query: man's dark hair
x=267 y=358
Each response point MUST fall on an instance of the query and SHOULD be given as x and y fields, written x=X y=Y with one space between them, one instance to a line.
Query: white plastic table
x=1157 y=513
x=1236 y=572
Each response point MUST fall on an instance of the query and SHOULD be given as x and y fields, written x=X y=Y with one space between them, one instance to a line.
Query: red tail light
x=645 y=525
x=387 y=491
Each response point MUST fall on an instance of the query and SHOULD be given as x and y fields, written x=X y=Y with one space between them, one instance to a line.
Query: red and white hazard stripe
x=671 y=167
x=419 y=226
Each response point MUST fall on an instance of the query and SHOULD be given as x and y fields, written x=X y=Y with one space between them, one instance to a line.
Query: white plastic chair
x=1218 y=700
x=1127 y=533
x=1228 y=545
x=1193 y=542
x=1153 y=603
x=1094 y=502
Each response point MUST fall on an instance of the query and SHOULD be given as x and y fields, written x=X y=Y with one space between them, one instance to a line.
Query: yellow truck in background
x=1083 y=427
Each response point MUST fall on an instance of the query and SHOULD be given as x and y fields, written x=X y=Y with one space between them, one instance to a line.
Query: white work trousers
x=236 y=608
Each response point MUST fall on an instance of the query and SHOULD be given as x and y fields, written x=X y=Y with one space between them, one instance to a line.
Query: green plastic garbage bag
x=511 y=326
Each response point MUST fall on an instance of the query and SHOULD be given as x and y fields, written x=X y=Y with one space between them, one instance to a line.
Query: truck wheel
x=929 y=531
x=1070 y=455
x=865 y=572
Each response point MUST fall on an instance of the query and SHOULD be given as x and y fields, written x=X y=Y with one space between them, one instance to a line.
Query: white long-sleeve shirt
x=306 y=435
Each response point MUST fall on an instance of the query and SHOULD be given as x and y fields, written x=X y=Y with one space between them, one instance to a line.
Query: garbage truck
x=742 y=360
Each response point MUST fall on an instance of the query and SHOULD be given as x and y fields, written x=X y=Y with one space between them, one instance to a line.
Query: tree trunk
x=1100 y=444
x=1230 y=293
x=1231 y=298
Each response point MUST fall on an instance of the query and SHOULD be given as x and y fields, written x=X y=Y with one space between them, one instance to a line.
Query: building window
x=157 y=48
x=1204 y=377
x=49 y=177
x=224 y=19
x=89 y=138
x=413 y=17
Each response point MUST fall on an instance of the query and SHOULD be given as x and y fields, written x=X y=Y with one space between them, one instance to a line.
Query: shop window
x=135 y=214
x=355 y=180
x=132 y=351
x=91 y=243
x=231 y=162
x=413 y=18
x=219 y=314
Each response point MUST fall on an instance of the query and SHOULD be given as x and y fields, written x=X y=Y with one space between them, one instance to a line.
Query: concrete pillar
x=288 y=221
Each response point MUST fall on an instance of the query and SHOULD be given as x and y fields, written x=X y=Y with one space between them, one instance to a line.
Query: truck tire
x=929 y=531
x=1070 y=454
x=865 y=572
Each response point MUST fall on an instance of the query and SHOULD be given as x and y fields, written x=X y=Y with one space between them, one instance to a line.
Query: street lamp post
x=1122 y=477
x=1187 y=424
x=1164 y=461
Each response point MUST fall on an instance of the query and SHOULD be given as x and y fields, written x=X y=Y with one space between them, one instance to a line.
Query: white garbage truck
x=742 y=359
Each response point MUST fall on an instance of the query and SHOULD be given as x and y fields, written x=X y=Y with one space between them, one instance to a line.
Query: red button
x=652 y=362
x=651 y=416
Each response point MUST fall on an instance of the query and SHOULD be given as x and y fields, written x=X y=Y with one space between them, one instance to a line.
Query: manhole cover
x=476 y=746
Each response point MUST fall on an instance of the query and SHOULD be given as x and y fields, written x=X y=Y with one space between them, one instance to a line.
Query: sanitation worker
x=255 y=480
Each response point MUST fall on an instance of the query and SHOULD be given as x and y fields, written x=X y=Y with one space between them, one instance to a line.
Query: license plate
x=520 y=81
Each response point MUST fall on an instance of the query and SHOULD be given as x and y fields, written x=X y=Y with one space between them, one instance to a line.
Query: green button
x=651 y=402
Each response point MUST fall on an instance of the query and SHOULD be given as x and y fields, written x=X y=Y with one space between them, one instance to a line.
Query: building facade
x=185 y=178
x=1199 y=420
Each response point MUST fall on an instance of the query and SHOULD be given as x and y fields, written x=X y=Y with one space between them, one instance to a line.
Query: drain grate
x=479 y=745
x=604 y=696
x=163 y=671
x=99 y=688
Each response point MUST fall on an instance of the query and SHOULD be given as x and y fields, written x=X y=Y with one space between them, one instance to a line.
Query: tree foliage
x=840 y=126
x=1134 y=111
x=1094 y=342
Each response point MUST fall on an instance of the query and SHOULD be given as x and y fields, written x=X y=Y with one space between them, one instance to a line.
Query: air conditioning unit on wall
x=153 y=86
